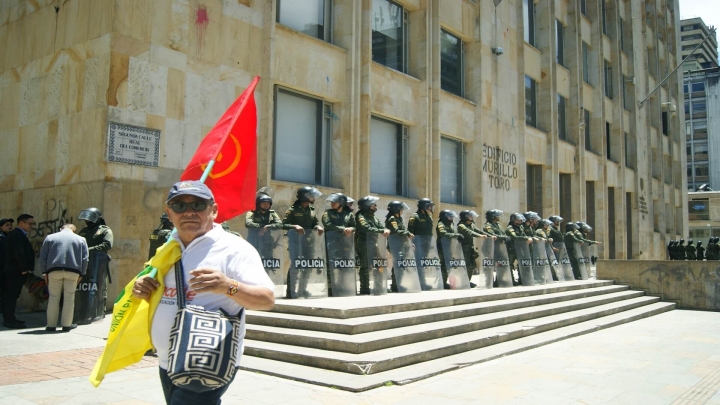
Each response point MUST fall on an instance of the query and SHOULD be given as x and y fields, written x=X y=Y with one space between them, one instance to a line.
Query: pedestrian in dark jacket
x=19 y=262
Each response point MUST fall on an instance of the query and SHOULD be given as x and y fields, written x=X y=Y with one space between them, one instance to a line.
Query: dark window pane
x=530 y=102
x=306 y=16
x=586 y=119
x=586 y=64
x=388 y=34
x=562 y=131
x=529 y=21
x=560 y=44
x=451 y=60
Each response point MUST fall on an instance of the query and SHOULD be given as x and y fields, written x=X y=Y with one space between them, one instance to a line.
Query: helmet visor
x=265 y=191
x=86 y=215
x=451 y=214
x=333 y=198
x=372 y=200
x=404 y=207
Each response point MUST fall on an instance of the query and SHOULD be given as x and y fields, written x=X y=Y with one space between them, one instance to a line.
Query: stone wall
x=693 y=285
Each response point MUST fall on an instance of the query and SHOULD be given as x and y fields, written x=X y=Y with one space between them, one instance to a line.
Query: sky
x=708 y=10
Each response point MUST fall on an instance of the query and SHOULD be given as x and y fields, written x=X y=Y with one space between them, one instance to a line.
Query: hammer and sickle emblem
x=233 y=165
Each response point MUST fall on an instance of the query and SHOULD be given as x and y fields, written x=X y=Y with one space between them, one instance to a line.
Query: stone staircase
x=359 y=343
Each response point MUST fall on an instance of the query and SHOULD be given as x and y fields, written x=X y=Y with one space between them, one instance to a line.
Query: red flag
x=232 y=143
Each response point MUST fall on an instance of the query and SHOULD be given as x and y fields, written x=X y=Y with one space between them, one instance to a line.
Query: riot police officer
x=338 y=217
x=466 y=227
x=263 y=218
x=690 y=251
x=301 y=216
x=492 y=224
x=445 y=229
x=700 y=251
x=531 y=221
x=680 y=249
x=516 y=231
x=160 y=235
x=583 y=232
x=99 y=238
x=394 y=222
x=570 y=239
x=554 y=232
x=421 y=222
x=711 y=252
x=366 y=222
x=671 y=250
x=543 y=232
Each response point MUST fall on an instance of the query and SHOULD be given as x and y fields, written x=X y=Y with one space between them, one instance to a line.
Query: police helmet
x=556 y=219
x=585 y=227
x=425 y=204
x=164 y=217
x=689 y=242
x=308 y=194
x=580 y=224
x=350 y=203
x=571 y=226
x=366 y=202
x=90 y=214
x=530 y=215
x=517 y=216
x=225 y=226
x=338 y=198
x=545 y=222
x=467 y=214
x=699 y=243
x=492 y=214
x=394 y=207
x=447 y=215
x=265 y=194
x=682 y=241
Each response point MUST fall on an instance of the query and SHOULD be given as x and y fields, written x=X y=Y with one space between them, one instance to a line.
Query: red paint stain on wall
x=201 y=22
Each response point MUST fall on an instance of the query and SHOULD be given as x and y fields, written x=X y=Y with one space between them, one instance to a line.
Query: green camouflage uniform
x=396 y=225
x=297 y=215
x=333 y=220
x=158 y=237
x=444 y=229
x=469 y=232
x=99 y=239
x=515 y=232
x=366 y=223
x=570 y=238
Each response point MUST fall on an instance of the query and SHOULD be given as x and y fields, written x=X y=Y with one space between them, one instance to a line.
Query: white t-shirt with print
x=218 y=250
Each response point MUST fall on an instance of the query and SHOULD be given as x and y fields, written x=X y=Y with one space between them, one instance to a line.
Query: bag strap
x=180 y=284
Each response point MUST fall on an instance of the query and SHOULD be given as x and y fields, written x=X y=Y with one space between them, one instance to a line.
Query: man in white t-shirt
x=221 y=271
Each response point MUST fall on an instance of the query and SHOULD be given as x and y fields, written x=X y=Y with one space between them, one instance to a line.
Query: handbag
x=204 y=345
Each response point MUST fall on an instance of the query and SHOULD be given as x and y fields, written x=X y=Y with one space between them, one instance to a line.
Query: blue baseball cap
x=195 y=188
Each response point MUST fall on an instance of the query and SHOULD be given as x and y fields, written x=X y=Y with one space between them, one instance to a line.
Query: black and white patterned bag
x=204 y=345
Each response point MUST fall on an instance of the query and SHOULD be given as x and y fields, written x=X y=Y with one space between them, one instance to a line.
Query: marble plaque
x=133 y=145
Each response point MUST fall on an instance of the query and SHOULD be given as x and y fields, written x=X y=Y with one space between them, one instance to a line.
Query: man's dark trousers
x=12 y=287
x=175 y=395
x=19 y=259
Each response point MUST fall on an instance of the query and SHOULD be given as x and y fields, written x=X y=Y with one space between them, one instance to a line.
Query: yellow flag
x=129 y=336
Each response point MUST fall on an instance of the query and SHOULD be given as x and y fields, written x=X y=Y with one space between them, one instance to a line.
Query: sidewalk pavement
x=672 y=358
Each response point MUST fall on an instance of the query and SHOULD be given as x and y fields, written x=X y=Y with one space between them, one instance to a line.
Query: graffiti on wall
x=57 y=215
x=701 y=287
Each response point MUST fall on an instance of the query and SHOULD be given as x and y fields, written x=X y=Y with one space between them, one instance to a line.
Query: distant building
x=704 y=215
x=702 y=125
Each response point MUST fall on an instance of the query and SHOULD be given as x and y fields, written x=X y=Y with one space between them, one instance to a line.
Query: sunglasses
x=197 y=206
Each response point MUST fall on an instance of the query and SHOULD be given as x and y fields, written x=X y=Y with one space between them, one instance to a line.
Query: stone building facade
x=704 y=215
x=520 y=105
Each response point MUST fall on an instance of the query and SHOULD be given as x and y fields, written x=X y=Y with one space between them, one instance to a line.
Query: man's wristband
x=234 y=287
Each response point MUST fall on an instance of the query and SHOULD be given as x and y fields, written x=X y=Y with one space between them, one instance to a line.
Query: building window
x=311 y=17
x=699 y=210
x=607 y=141
x=529 y=21
x=451 y=171
x=622 y=35
x=590 y=205
x=534 y=186
x=665 y=123
x=626 y=99
x=700 y=86
x=629 y=151
x=628 y=226
x=604 y=17
x=586 y=120
x=565 y=190
x=303 y=130
x=390 y=35
x=698 y=107
x=608 y=80
x=701 y=171
x=685 y=88
x=611 y=222
x=388 y=157
x=559 y=43
x=586 y=63
x=451 y=63
x=530 y=102
x=583 y=7
x=562 y=130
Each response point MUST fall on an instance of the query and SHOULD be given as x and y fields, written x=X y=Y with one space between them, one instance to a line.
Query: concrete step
x=365 y=324
x=353 y=307
x=400 y=356
x=419 y=371
x=492 y=316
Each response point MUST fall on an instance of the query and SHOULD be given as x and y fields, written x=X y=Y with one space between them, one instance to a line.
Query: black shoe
x=49 y=329
x=69 y=328
x=13 y=325
x=20 y=321
x=473 y=285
